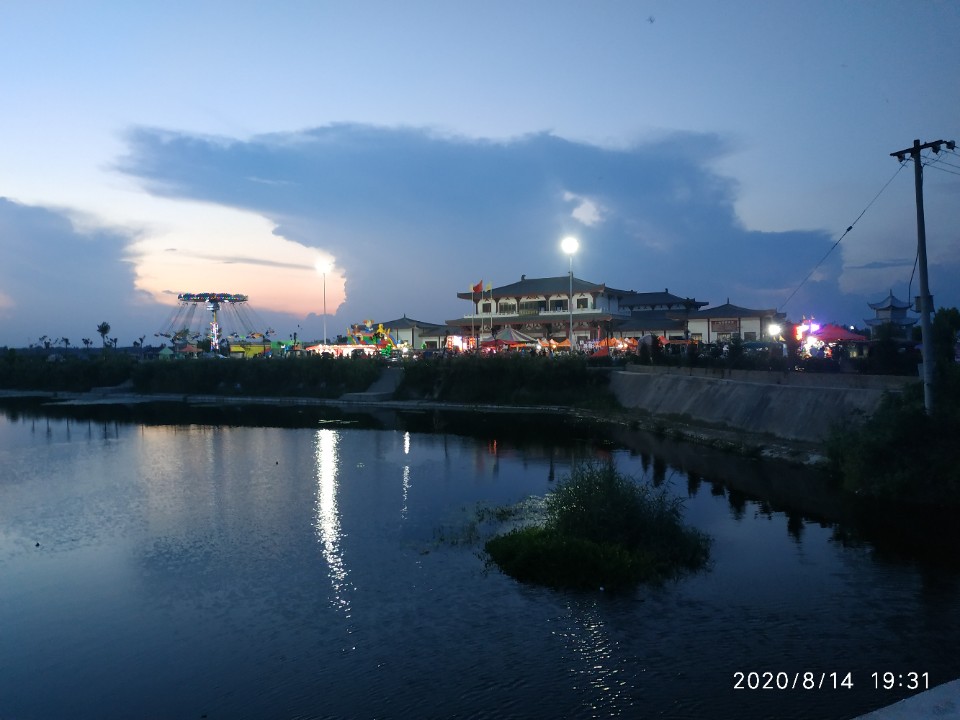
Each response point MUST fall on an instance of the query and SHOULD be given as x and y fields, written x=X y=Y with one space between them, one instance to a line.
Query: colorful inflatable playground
x=365 y=337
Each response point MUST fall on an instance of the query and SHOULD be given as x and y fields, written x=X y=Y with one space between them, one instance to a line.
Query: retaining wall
x=792 y=406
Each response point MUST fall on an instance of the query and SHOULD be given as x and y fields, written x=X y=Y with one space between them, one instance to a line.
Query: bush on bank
x=602 y=530
x=901 y=453
x=508 y=379
x=305 y=376
x=312 y=376
x=71 y=373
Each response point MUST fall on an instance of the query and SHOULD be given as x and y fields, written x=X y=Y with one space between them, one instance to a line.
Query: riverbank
x=941 y=702
x=630 y=420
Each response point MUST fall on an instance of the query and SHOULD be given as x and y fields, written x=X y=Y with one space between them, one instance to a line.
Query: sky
x=376 y=158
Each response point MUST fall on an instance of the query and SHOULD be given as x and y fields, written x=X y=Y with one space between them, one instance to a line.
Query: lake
x=174 y=562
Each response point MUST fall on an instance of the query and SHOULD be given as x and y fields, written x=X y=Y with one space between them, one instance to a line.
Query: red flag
x=478 y=287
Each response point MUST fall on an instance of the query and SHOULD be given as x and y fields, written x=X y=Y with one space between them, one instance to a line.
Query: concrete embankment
x=791 y=406
x=941 y=702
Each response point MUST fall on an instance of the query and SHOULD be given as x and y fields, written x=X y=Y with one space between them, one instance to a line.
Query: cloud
x=897 y=263
x=412 y=216
x=69 y=273
x=587 y=211
x=260 y=262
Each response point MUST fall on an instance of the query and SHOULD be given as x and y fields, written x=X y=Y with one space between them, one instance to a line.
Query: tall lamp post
x=322 y=267
x=570 y=245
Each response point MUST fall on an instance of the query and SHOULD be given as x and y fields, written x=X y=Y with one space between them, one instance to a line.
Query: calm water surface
x=191 y=571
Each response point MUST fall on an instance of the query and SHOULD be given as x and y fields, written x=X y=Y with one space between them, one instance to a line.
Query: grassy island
x=602 y=530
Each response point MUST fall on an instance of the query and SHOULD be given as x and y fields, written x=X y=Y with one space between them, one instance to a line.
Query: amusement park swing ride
x=233 y=328
x=232 y=322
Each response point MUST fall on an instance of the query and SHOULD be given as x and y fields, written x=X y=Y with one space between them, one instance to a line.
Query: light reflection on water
x=328 y=518
x=266 y=572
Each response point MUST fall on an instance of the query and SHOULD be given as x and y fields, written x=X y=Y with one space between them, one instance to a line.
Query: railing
x=546 y=313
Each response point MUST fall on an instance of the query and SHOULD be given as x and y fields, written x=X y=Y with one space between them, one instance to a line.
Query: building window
x=698 y=337
x=508 y=308
x=583 y=303
x=532 y=307
x=558 y=305
x=749 y=336
x=486 y=308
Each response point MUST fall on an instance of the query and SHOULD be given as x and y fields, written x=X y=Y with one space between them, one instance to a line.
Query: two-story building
x=545 y=308
x=541 y=307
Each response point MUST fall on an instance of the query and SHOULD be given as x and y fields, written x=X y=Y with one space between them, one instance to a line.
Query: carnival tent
x=836 y=333
x=514 y=337
x=495 y=344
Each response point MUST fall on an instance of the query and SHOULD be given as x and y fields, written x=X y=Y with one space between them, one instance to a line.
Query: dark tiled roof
x=651 y=320
x=406 y=323
x=900 y=321
x=890 y=301
x=731 y=311
x=540 y=286
x=650 y=299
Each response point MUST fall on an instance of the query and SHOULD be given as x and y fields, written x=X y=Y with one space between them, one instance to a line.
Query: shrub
x=901 y=453
x=602 y=529
x=509 y=379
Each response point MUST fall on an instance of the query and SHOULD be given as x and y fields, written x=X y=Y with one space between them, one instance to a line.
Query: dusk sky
x=717 y=149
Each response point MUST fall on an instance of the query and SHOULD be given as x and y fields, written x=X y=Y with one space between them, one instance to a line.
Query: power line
x=834 y=246
x=949 y=172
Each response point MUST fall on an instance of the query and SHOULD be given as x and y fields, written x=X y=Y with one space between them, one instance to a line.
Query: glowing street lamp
x=570 y=245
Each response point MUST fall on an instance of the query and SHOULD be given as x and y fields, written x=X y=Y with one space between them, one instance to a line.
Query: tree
x=87 y=342
x=66 y=342
x=946 y=325
x=103 y=329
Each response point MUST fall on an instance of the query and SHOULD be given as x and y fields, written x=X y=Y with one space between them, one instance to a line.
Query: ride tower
x=230 y=320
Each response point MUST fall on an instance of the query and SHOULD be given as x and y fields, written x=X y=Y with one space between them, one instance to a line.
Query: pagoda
x=893 y=312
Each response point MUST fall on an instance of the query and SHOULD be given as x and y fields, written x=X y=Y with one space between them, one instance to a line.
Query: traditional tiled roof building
x=721 y=323
x=406 y=330
x=657 y=313
x=892 y=312
x=541 y=307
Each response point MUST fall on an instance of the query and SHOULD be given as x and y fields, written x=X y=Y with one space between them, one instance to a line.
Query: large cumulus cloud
x=414 y=216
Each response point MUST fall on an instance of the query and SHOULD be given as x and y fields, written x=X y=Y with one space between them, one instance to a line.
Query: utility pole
x=926 y=299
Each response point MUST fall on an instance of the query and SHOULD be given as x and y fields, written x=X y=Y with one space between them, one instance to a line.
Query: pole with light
x=570 y=245
x=322 y=267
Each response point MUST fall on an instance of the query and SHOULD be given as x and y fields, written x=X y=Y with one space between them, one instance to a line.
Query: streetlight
x=322 y=267
x=570 y=245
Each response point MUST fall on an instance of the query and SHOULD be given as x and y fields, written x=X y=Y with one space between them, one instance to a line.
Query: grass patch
x=901 y=454
x=601 y=529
